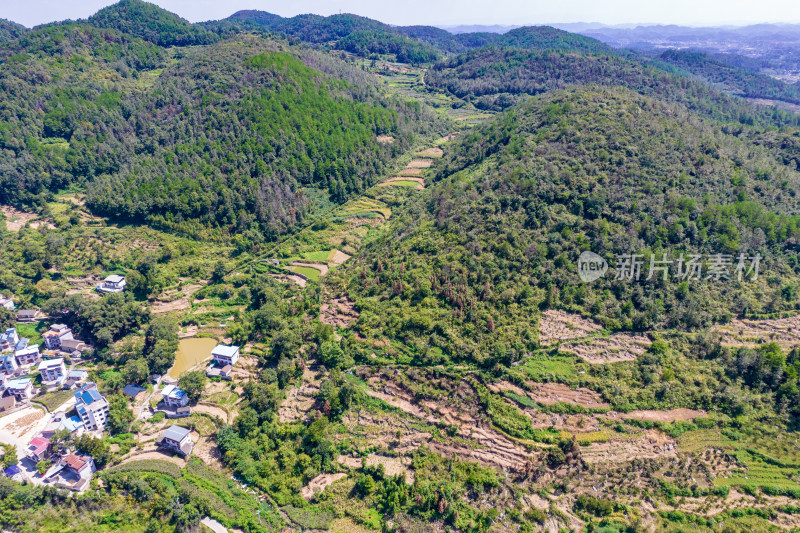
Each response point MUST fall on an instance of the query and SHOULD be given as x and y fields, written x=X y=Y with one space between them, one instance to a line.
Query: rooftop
x=114 y=278
x=176 y=433
x=18 y=383
x=51 y=363
x=75 y=461
x=225 y=351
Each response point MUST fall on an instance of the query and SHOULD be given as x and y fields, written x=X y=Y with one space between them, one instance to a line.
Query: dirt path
x=664 y=416
x=212 y=410
x=550 y=393
x=290 y=278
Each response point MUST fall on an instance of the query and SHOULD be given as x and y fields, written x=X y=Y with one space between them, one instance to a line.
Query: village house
x=8 y=364
x=176 y=438
x=53 y=371
x=174 y=397
x=29 y=316
x=113 y=283
x=92 y=407
x=60 y=421
x=38 y=449
x=75 y=377
x=73 y=472
x=70 y=346
x=225 y=355
x=56 y=335
x=22 y=389
x=7 y=303
x=9 y=340
x=28 y=356
x=132 y=391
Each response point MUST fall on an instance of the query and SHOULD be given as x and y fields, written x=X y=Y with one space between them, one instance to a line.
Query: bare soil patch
x=550 y=393
x=16 y=219
x=319 y=483
x=164 y=305
x=300 y=400
x=392 y=466
x=372 y=222
x=155 y=455
x=665 y=416
x=419 y=163
x=617 y=347
x=411 y=172
x=486 y=445
x=751 y=333
x=338 y=257
x=385 y=139
x=649 y=445
x=338 y=312
x=206 y=450
x=431 y=152
x=556 y=326
x=290 y=278
x=214 y=411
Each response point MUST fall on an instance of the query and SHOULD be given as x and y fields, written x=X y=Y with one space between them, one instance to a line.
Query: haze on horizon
x=447 y=12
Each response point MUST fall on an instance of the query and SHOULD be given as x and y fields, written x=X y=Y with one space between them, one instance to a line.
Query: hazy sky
x=447 y=12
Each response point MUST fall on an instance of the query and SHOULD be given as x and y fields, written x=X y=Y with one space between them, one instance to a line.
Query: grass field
x=52 y=400
x=311 y=273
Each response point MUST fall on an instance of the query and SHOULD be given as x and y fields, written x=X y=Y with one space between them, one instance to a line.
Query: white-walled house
x=53 y=371
x=9 y=339
x=113 y=283
x=174 y=397
x=8 y=364
x=176 y=438
x=92 y=407
x=57 y=333
x=225 y=355
x=28 y=355
x=7 y=303
x=22 y=389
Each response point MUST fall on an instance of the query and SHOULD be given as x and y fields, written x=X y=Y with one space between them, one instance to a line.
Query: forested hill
x=151 y=23
x=359 y=35
x=497 y=78
x=464 y=271
x=731 y=78
x=230 y=135
x=224 y=137
x=10 y=30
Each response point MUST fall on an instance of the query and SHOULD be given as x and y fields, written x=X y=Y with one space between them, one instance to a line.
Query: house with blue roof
x=174 y=397
x=92 y=407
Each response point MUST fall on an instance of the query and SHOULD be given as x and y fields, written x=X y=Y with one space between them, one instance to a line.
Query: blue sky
x=448 y=12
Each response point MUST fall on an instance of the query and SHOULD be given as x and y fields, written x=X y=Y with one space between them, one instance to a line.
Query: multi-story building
x=8 y=364
x=174 y=397
x=22 y=389
x=176 y=438
x=225 y=355
x=28 y=355
x=9 y=339
x=56 y=334
x=92 y=407
x=53 y=371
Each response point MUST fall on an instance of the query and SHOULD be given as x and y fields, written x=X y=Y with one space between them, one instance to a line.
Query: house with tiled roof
x=176 y=438
x=57 y=333
x=38 y=449
x=92 y=407
x=73 y=472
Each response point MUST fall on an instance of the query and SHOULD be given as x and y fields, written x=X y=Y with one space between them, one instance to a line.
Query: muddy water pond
x=190 y=352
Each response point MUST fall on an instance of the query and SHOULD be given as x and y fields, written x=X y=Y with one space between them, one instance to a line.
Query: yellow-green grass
x=53 y=400
x=403 y=183
x=309 y=272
